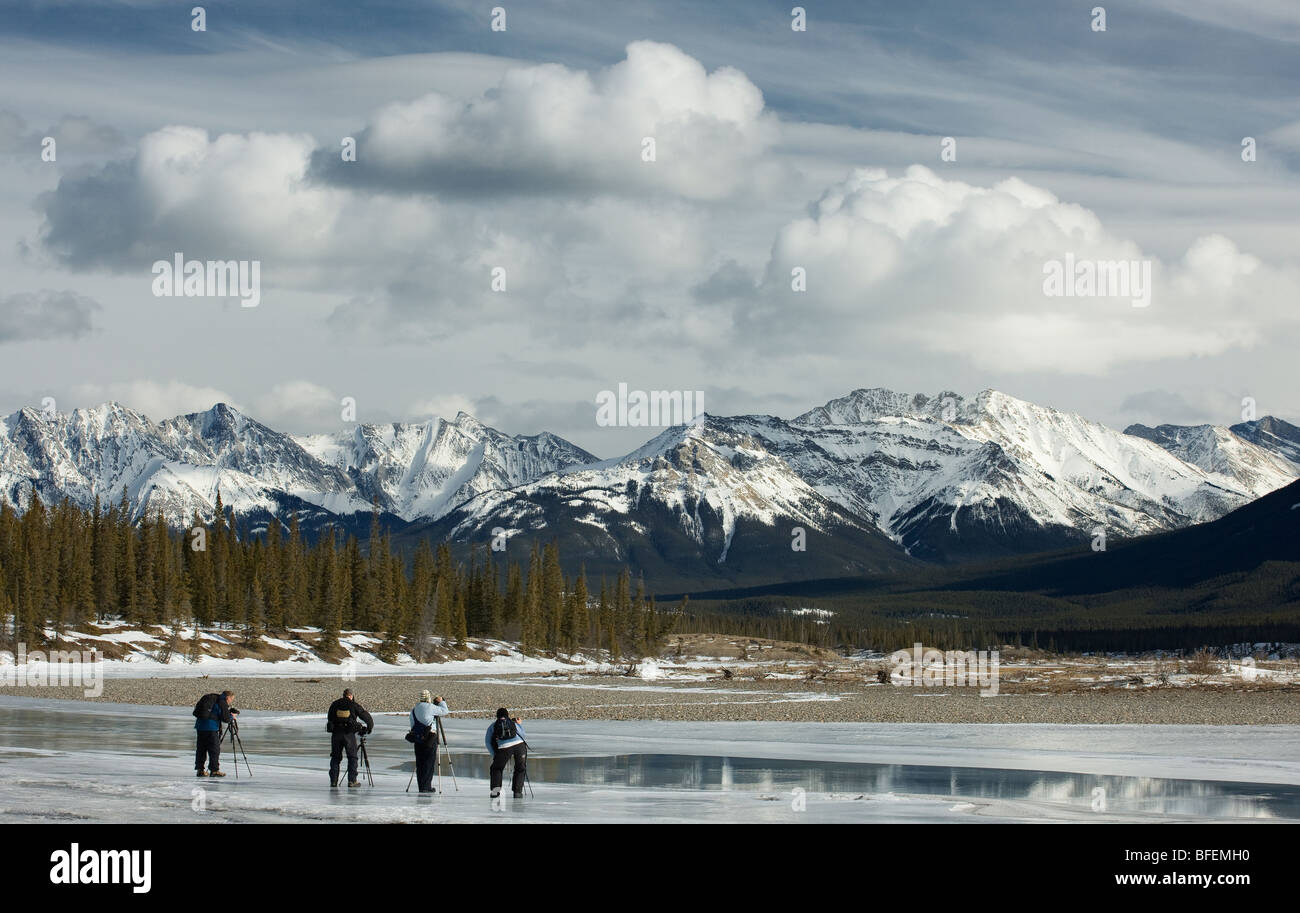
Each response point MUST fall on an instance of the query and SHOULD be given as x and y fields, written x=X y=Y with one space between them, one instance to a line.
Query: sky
x=915 y=168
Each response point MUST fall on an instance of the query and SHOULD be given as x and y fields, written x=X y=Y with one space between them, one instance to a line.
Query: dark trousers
x=338 y=742
x=520 y=754
x=208 y=747
x=426 y=760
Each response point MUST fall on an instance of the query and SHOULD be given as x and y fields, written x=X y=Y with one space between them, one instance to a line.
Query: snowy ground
x=71 y=761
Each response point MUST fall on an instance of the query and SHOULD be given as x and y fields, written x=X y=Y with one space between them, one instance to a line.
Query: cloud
x=957 y=270
x=444 y=405
x=1166 y=407
x=550 y=130
x=74 y=135
x=46 y=314
x=235 y=196
x=158 y=400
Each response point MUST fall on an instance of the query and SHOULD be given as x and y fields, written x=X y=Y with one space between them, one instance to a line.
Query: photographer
x=210 y=712
x=424 y=735
x=505 y=740
x=345 y=719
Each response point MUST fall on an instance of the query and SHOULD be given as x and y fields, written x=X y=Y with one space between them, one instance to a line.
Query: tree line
x=63 y=565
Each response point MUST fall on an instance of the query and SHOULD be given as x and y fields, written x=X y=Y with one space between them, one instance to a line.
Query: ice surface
x=72 y=761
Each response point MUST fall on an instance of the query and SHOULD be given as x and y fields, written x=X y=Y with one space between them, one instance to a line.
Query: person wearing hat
x=424 y=735
x=505 y=741
x=344 y=721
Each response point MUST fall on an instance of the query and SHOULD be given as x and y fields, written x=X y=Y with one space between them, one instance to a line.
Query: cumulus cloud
x=548 y=130
x=46 y=314
x=235 y=196
x=958 y=270
x=418 y=268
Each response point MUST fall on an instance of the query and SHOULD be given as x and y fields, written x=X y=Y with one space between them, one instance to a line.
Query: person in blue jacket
x=424 y=717
x=504 y=741
x=220 y=708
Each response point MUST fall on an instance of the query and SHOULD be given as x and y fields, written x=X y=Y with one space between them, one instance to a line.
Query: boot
x=334 y=782
x=353 y=783
x=519 y=795
x=496 y=791
x=217 y=773
x=201 y=773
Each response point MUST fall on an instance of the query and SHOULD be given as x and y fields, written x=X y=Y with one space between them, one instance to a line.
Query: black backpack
x=504 y=730
x=206 y=705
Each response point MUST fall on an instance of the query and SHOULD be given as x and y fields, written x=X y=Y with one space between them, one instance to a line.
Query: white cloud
x=444 y=406
x=157 y=399
x=548 y=129
x=957 y=270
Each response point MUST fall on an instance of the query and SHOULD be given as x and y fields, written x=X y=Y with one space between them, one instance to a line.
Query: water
x=1121 y=793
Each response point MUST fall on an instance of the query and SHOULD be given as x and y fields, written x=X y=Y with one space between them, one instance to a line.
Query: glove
x=370 y=730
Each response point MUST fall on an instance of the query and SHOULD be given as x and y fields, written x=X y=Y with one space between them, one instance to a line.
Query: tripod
x=442 y=736
x=527 y=779
x=365 y=759
x=236 y=745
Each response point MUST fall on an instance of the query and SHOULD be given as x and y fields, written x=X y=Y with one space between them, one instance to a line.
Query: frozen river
x=102 y=762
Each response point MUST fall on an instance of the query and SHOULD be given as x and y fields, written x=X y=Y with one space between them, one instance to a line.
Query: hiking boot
x=519 y=795
x=334 y=782
x=217 y=773
x=496 y=791
x=353 y=783
x=200 y=773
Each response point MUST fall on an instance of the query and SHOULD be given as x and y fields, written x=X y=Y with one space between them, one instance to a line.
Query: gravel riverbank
x=591 y=698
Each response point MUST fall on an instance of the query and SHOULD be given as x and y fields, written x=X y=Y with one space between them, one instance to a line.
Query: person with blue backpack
x=424 y=735
x=505 y=741
x=210 y=712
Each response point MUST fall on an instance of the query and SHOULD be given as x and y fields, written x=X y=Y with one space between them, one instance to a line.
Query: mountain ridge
x=871 y=480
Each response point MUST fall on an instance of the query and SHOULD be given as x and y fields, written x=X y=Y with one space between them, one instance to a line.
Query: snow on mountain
x=944 y=477
x=1273 y=434
x=1256 y=468
x=423 y=470
x=177 y=466
x=715 y=467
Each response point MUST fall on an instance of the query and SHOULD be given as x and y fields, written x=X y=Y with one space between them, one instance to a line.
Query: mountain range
x=868 y=483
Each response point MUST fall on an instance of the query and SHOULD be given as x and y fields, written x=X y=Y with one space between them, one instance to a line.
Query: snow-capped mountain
x=1273 y=434
x=945 y=477
x=420 y=471
x=866 y=482
x=1222 y=451
x=178 y=466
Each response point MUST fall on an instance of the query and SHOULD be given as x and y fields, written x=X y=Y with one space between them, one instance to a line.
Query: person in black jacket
x=346 y=718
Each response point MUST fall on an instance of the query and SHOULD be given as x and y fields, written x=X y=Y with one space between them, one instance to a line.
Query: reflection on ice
x=1202 y=799
x=72 y=761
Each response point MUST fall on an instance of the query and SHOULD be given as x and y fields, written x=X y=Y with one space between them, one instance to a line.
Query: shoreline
x=618 y=698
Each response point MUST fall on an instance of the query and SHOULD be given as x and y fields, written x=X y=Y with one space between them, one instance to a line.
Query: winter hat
x=425 y=696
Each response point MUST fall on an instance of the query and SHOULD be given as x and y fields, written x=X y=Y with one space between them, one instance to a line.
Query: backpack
x=420 y=734
x=504 y=730
x=206 y=705
x=341 y=720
